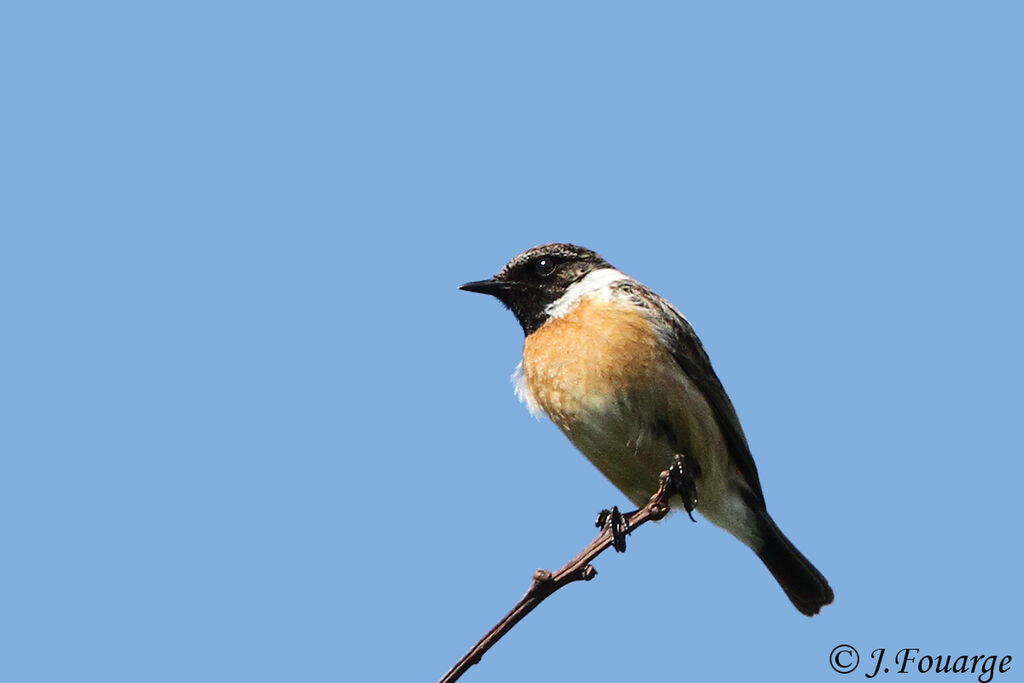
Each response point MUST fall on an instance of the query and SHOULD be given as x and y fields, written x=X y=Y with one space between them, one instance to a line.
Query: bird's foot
x=682 y=480
x=617 y=523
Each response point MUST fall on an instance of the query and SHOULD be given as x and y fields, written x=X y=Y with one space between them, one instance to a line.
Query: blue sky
x=253 y=432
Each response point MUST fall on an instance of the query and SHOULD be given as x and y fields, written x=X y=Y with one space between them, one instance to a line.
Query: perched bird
x=624 y=376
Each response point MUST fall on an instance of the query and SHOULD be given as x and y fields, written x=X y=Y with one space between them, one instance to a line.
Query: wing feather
x=687 y=350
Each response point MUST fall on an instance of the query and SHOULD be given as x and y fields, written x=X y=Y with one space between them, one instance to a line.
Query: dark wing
x=690 y=355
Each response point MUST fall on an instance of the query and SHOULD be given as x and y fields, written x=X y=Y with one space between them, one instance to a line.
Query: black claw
x=616 y=522
x=682 y=480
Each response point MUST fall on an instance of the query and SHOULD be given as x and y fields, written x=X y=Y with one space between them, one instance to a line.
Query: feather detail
x=523 y=393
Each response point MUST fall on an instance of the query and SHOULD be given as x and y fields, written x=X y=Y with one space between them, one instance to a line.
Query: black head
x=537 y=278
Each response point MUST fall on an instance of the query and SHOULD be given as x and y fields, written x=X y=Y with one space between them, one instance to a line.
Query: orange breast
x=593 y=354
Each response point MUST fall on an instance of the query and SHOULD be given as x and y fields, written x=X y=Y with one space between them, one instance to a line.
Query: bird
x=621 y=372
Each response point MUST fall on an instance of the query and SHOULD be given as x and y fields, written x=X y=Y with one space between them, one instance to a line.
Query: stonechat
x=622 y=373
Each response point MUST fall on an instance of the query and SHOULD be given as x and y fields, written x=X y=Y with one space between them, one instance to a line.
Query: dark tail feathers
x=804 y=585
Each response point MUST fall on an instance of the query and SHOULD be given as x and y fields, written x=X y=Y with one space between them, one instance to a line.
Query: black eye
x=544 y=266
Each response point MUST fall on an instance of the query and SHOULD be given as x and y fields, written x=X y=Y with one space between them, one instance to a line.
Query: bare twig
x=577 y=569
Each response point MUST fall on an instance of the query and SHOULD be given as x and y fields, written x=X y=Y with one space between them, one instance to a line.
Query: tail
x=804 y=585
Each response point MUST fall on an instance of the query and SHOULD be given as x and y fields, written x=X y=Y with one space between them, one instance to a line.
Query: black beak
x=492 y=287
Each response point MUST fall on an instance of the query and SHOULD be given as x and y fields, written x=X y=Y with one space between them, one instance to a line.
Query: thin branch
x=577 y=569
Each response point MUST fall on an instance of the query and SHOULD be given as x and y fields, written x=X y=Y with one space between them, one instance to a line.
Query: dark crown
x=539 y=276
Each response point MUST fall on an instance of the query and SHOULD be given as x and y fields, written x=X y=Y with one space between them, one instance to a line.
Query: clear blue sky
x=252 y=432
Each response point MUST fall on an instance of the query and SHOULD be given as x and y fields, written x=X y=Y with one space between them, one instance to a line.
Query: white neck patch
x=594 y=283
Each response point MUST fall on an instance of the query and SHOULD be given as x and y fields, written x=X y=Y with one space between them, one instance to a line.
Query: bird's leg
x=681 y=479
x=617 y=523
